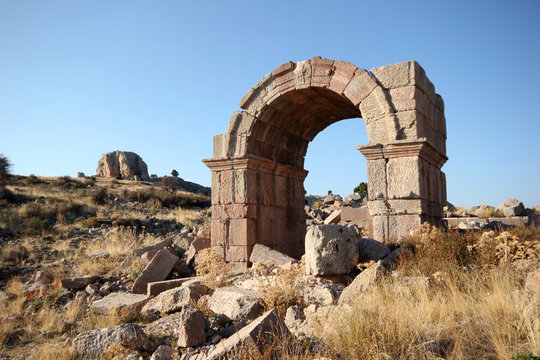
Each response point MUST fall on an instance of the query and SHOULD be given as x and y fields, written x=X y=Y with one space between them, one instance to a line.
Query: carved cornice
x=256 y=163
x=421 y=147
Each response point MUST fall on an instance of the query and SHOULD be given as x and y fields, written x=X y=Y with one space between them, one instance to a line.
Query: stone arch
x=257 y=165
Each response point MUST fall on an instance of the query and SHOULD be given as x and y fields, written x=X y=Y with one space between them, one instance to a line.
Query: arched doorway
x=258 y=164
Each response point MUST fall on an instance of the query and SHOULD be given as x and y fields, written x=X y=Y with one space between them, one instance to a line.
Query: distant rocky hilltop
x=127 y=164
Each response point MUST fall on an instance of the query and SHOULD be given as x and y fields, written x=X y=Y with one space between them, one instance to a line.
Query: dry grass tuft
x=280 y=288
x=213 y=269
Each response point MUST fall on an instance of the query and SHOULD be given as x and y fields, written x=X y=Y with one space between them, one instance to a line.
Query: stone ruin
x=258 y=164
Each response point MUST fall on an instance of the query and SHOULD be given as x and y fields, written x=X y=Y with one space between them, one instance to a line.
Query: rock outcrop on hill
x=124 y=163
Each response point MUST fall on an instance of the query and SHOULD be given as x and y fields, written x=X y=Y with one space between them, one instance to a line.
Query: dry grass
x=479 y=314
x=279 y=288
x=475 y=307
x=212 y=269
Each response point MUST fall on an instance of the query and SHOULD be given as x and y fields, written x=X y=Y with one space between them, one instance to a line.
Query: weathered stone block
x=375 y=106
x=331 y=249
x=403 y=178
x=157 y=287
x=321 y=69
x=158 y=269
x=259 y=336
x=376 y=170
x=404 y=74
x=302 y=74
x=238 y=253
x=226 y=187
x=220 y=232
x=334 y=217
x=118 y=302
x=344 y=71
x=242 y=232
x=241 y=123
x=235 y=303
x=359 y=87
x=191 y=331
x=264 y=253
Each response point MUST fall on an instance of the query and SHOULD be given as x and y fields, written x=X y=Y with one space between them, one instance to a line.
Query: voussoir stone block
x=359 y=87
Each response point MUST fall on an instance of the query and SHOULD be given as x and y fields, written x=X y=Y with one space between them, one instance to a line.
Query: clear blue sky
x=160 y=78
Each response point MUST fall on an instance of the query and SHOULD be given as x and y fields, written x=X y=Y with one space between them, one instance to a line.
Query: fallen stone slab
x=371 y=250
x=362 y=283
x=91 y=344
x=165 y=327
x=259 y=336
x=163 y=352
x=118 y=302
x=264 y=253
x=334 y=217
x=78 y=283
x=158 y=269
x=158 y=246
x=173 y=300
x=331 y=249
x=157 y=287
x=235 y=303
x=191 y=330
x=196 y=245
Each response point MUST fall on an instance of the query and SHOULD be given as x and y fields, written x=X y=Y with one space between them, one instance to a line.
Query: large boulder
x=191 y=331
x=124 y=163
x=331 y=249
x=91 y=344
x=512 y=207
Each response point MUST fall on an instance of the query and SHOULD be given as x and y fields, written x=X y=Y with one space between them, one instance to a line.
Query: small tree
x=361 y=190
x=329 y=192
x=5 y=166
x=174 y=173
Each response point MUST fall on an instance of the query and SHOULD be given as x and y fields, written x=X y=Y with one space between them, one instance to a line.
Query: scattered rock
x=370 y=249
x=361 y=283
x=91 y=344
x=174 y=299
x=196 y=245
x=264 y=253
x=158 y=269
x=78 y=283
x=258 y=336
x=191 y=331
x=157 y=287
x=235 y=303
x=163 y=352
x=334 y=217
x=512 y=207
x=156 y=247
x=331 y=249
x=118 y=302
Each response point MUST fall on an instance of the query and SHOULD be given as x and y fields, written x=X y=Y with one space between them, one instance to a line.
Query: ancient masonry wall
x=257 y=166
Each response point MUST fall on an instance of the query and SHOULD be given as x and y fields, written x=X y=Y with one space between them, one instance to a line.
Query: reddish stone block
x=344 y=71
x=238 y=253
x=242 y=232
x=360 y=86
x=321 y=71
x=220 y=232
x=227 y=187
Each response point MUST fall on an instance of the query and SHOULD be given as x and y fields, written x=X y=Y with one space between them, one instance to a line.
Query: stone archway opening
x=332 y=160
x=258 y=164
